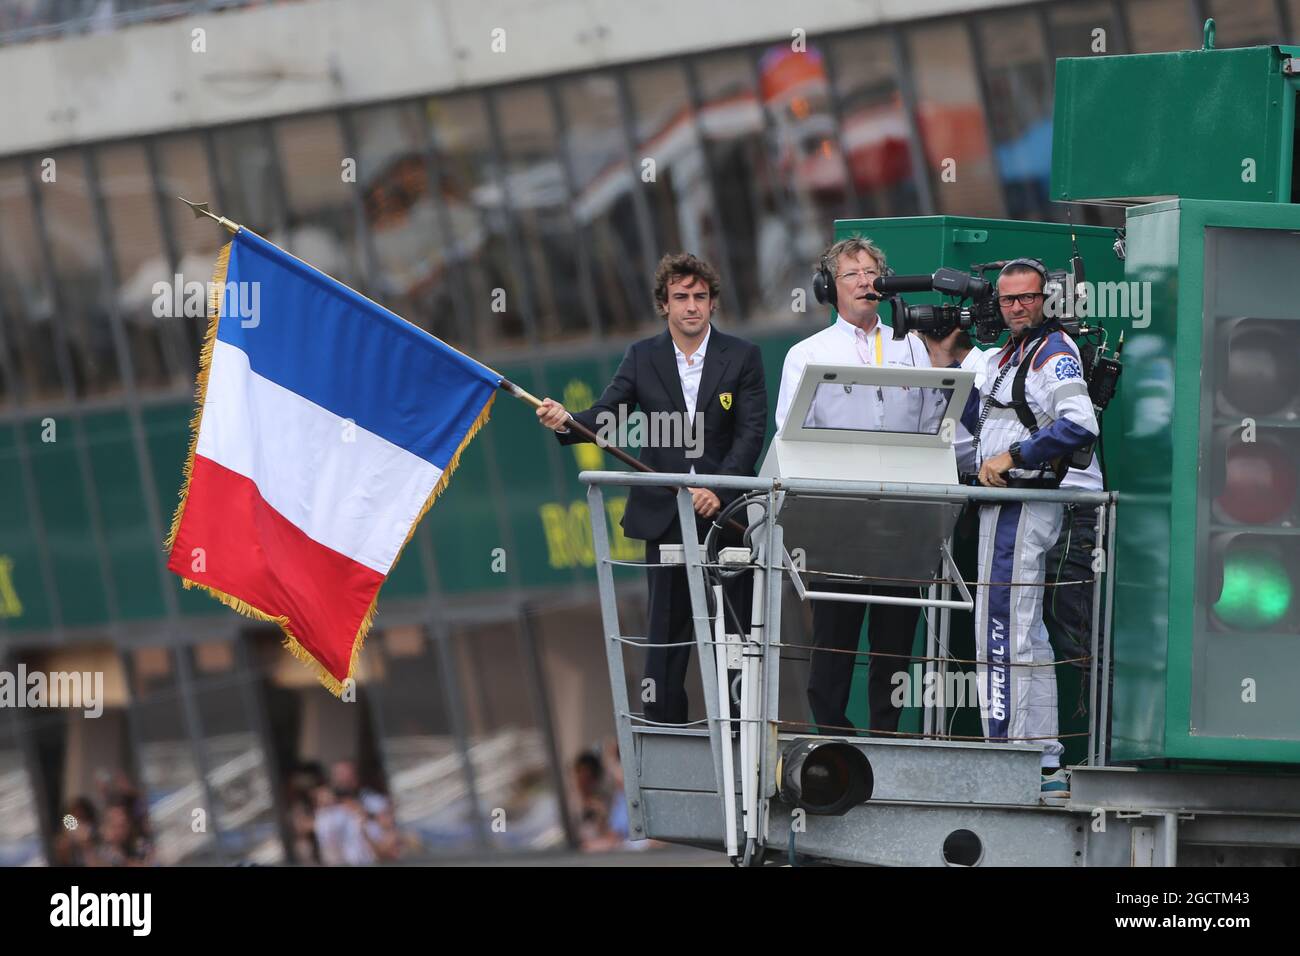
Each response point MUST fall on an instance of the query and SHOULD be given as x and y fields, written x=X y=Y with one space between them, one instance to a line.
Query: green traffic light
x=1256 y=591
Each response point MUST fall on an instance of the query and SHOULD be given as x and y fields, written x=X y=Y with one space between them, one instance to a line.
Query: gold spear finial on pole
x=201 y=209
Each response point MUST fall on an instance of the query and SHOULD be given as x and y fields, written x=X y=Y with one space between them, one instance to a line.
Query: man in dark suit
x=701 y=379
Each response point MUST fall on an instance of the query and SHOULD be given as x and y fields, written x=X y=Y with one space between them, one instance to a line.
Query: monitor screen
x=900 y=409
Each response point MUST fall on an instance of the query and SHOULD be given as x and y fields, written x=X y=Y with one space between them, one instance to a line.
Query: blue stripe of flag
x=318 y=338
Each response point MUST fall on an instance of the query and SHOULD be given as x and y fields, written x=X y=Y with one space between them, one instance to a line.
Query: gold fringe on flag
x=215 y=291
x=291 y=643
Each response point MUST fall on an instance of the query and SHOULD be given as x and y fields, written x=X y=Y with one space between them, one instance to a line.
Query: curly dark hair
x=679 y=265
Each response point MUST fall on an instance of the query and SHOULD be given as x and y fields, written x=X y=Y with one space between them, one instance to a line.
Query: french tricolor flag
x=326 y=427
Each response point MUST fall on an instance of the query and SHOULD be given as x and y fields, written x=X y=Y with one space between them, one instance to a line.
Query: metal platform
x=935 y=801
x=928 y=790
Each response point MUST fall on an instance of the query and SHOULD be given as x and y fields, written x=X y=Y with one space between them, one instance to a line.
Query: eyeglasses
x=1026 y=299
x=868 y=274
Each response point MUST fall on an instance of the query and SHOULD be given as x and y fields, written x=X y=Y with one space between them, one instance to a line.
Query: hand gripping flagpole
x=510 y=388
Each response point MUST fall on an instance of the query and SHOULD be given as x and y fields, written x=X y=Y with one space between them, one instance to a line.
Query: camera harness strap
x=1020 y=406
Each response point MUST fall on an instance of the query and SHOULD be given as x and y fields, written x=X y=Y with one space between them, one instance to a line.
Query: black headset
x=1031 y=263
x=824 y=284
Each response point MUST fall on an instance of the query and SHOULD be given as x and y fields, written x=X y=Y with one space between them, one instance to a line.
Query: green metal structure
x=921 y=244
x=1207 y=617
x=1204 y=439
x=1196 y=124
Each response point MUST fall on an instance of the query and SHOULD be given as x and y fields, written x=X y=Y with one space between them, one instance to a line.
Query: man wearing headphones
x=845 y=280
x=1031 y=413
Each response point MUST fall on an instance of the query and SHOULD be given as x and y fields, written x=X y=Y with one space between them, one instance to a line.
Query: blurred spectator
x=331 y=825
x=533 y=809
x=601 y=805
x=617 y=798
x=388 y=842
x=121 y=838
x=344 y=778
x=78 y=842
x=340 y=830
x=116 y=788
x=301 y=800
x=593 y=805
x=302 y=825
x=354 y=825
x=123 y=841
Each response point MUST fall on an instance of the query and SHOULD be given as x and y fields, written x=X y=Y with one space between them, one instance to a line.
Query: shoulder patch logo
x=725 y=400
x=1068 y=367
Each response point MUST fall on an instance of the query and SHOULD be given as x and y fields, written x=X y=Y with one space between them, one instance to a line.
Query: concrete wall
x=309 y=55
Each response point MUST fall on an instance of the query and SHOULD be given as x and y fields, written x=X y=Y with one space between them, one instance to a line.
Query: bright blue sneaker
x=1056 y=786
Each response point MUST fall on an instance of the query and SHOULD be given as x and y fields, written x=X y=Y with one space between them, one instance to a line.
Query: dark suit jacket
x=647 y=380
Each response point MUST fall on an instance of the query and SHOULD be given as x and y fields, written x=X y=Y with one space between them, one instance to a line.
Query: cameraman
x=1031 y=413
x=1067 y=609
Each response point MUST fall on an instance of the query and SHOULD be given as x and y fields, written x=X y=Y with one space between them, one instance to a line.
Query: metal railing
x=770 y=562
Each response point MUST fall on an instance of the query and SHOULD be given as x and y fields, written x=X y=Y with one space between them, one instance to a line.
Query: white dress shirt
x=689 y=371
x=837 y=406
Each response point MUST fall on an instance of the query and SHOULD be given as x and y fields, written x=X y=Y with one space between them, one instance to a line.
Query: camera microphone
x=892 y=285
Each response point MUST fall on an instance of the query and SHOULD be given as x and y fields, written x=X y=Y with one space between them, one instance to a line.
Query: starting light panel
x=1207 y=626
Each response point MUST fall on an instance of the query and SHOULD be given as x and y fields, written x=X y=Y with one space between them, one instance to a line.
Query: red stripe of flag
x=253 y=552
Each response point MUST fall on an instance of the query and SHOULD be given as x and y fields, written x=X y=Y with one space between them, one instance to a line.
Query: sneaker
x=1056 y=786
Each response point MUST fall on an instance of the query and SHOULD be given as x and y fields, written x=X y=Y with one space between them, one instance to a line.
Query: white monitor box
x=863 y=423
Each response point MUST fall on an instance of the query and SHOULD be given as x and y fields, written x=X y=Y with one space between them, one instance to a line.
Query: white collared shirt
x=901 y=410
x=689 y=371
